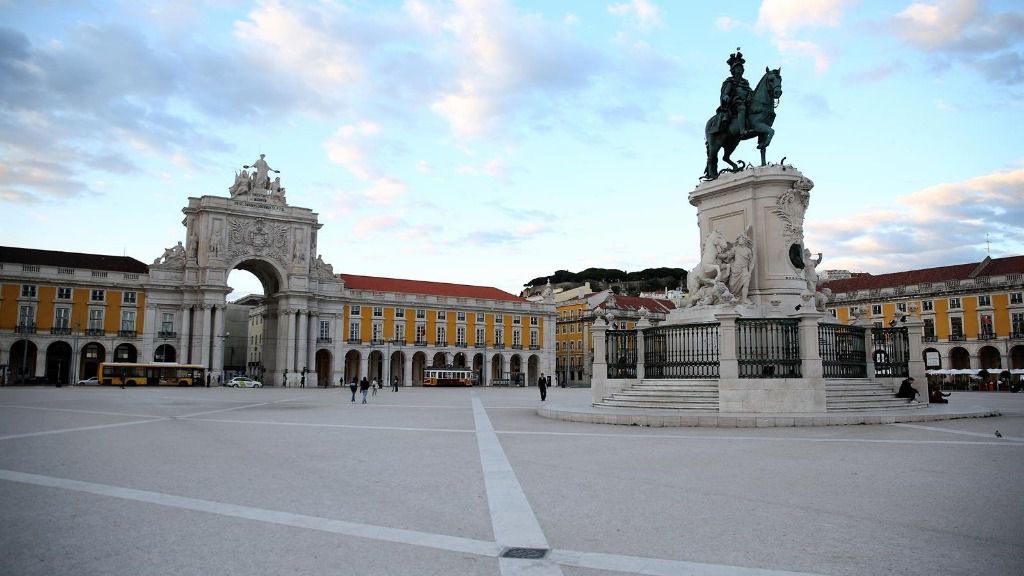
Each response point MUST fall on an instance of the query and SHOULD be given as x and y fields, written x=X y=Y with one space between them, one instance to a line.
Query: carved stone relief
x=258 y=238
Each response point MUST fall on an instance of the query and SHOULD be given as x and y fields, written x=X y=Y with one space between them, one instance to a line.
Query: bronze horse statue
x=760 y=116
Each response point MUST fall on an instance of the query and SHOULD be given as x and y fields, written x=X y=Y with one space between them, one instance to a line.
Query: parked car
x=243 y=382
x=94 y=381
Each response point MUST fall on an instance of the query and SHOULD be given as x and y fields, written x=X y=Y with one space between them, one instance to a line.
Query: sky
x=489 y=142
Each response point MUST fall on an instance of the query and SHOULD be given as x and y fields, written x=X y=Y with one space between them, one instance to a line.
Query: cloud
x=504 y=59
x=783 y=19
x=966 y=32
x=646 y=14
x=934 y=226
x=727 y=23
x=877 y=73
x=350 y=146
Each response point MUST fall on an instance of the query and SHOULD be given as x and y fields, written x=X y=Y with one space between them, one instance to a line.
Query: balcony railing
x=60 y=331
x=324 y=340
x=1017 y=336
x=461 y=345
x=929 y=338
x=163 y=335
x=25 y=328
x=986 y=336
x=126 y=333
x=499 y=346
x=440 y=343
x=420 y=343
x=534 y=347
x=479 y=345
x=95 y=332
x=354 y=341
x=517 y=346
x=957 y=338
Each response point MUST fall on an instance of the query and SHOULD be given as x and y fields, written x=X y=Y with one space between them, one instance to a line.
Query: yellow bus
x=449 y=376
x=152 y=374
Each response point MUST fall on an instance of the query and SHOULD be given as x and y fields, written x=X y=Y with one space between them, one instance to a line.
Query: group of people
x=365 y=386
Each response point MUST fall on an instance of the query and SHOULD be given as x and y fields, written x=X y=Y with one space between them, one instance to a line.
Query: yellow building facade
x=973 y=313
x=62 y=313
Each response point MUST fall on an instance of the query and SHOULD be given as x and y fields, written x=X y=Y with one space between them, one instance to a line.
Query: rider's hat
x=736 y=58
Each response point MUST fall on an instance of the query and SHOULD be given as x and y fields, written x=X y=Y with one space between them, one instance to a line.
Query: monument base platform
x=579 y=409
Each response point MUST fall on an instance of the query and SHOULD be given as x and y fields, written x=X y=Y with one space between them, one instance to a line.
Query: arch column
x=184 y=355
x=218 y=338
x=205 y=336
x=407 y=370
x=312 y=334
x=364 y=363
x=290 y=341
x=148 y=334
x=281 y=348
x=301 y=355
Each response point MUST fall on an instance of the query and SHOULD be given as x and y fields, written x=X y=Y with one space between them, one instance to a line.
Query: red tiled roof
x=655 y=305
x=993 y=267
x=35 y=257
x=402 y=286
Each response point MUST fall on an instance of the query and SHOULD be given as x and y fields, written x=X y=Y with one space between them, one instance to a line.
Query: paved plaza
x=105 y=481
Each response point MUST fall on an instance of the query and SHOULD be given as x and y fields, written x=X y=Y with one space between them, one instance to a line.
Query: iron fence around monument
x=684 y=351
x=890 y=350
x=768 y=348
x=621 y=353
x=842 y=351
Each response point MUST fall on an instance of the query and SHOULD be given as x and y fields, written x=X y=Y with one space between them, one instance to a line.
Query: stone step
x=702 y=406
x=856 y=393
x=898 y=404
x=673 y=391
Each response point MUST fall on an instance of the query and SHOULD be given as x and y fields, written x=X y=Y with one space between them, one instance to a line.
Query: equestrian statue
x=742 y=113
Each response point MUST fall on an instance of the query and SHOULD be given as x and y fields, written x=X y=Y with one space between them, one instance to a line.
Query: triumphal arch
x=252 y=228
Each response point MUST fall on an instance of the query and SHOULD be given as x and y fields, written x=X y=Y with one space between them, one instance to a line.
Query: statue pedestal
x=772 y=201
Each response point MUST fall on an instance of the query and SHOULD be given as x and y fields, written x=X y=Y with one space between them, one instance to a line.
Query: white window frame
x=984 y=301
x=480 y=317
x=441 y=315
x=69 y=291
x=165 y=324
x=460 y=335
x=481 y=337
x=62 y=317
x=96 y=319
x=460 y=316
x=399 y=312
x=876 y=309
x=128 y=320
x=442 y=335
x=354 y=331
x=1016 y=297
x=421 y=332
x=27 y=315
x=29 y=291
x=378 y=311
x=533 y=321
x=97 y=295
x=377 y=332
x=355 y=311
x=954 y=304
x=533 y=337
x=421 y=314
x=517 y=319
x=324 y=330
x=901 y=307
x=400 y=332
x=129 y=297
x=927 y=306
x=499 y=336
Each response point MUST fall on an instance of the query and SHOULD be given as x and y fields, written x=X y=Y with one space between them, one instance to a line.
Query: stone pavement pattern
x=441 y=481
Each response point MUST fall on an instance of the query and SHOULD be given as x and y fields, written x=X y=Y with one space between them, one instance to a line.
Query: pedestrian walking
x=394 y=384
x=352 y=386
x=302 y=381
x=364 y=386
x=374 y=386
x=542 y=383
